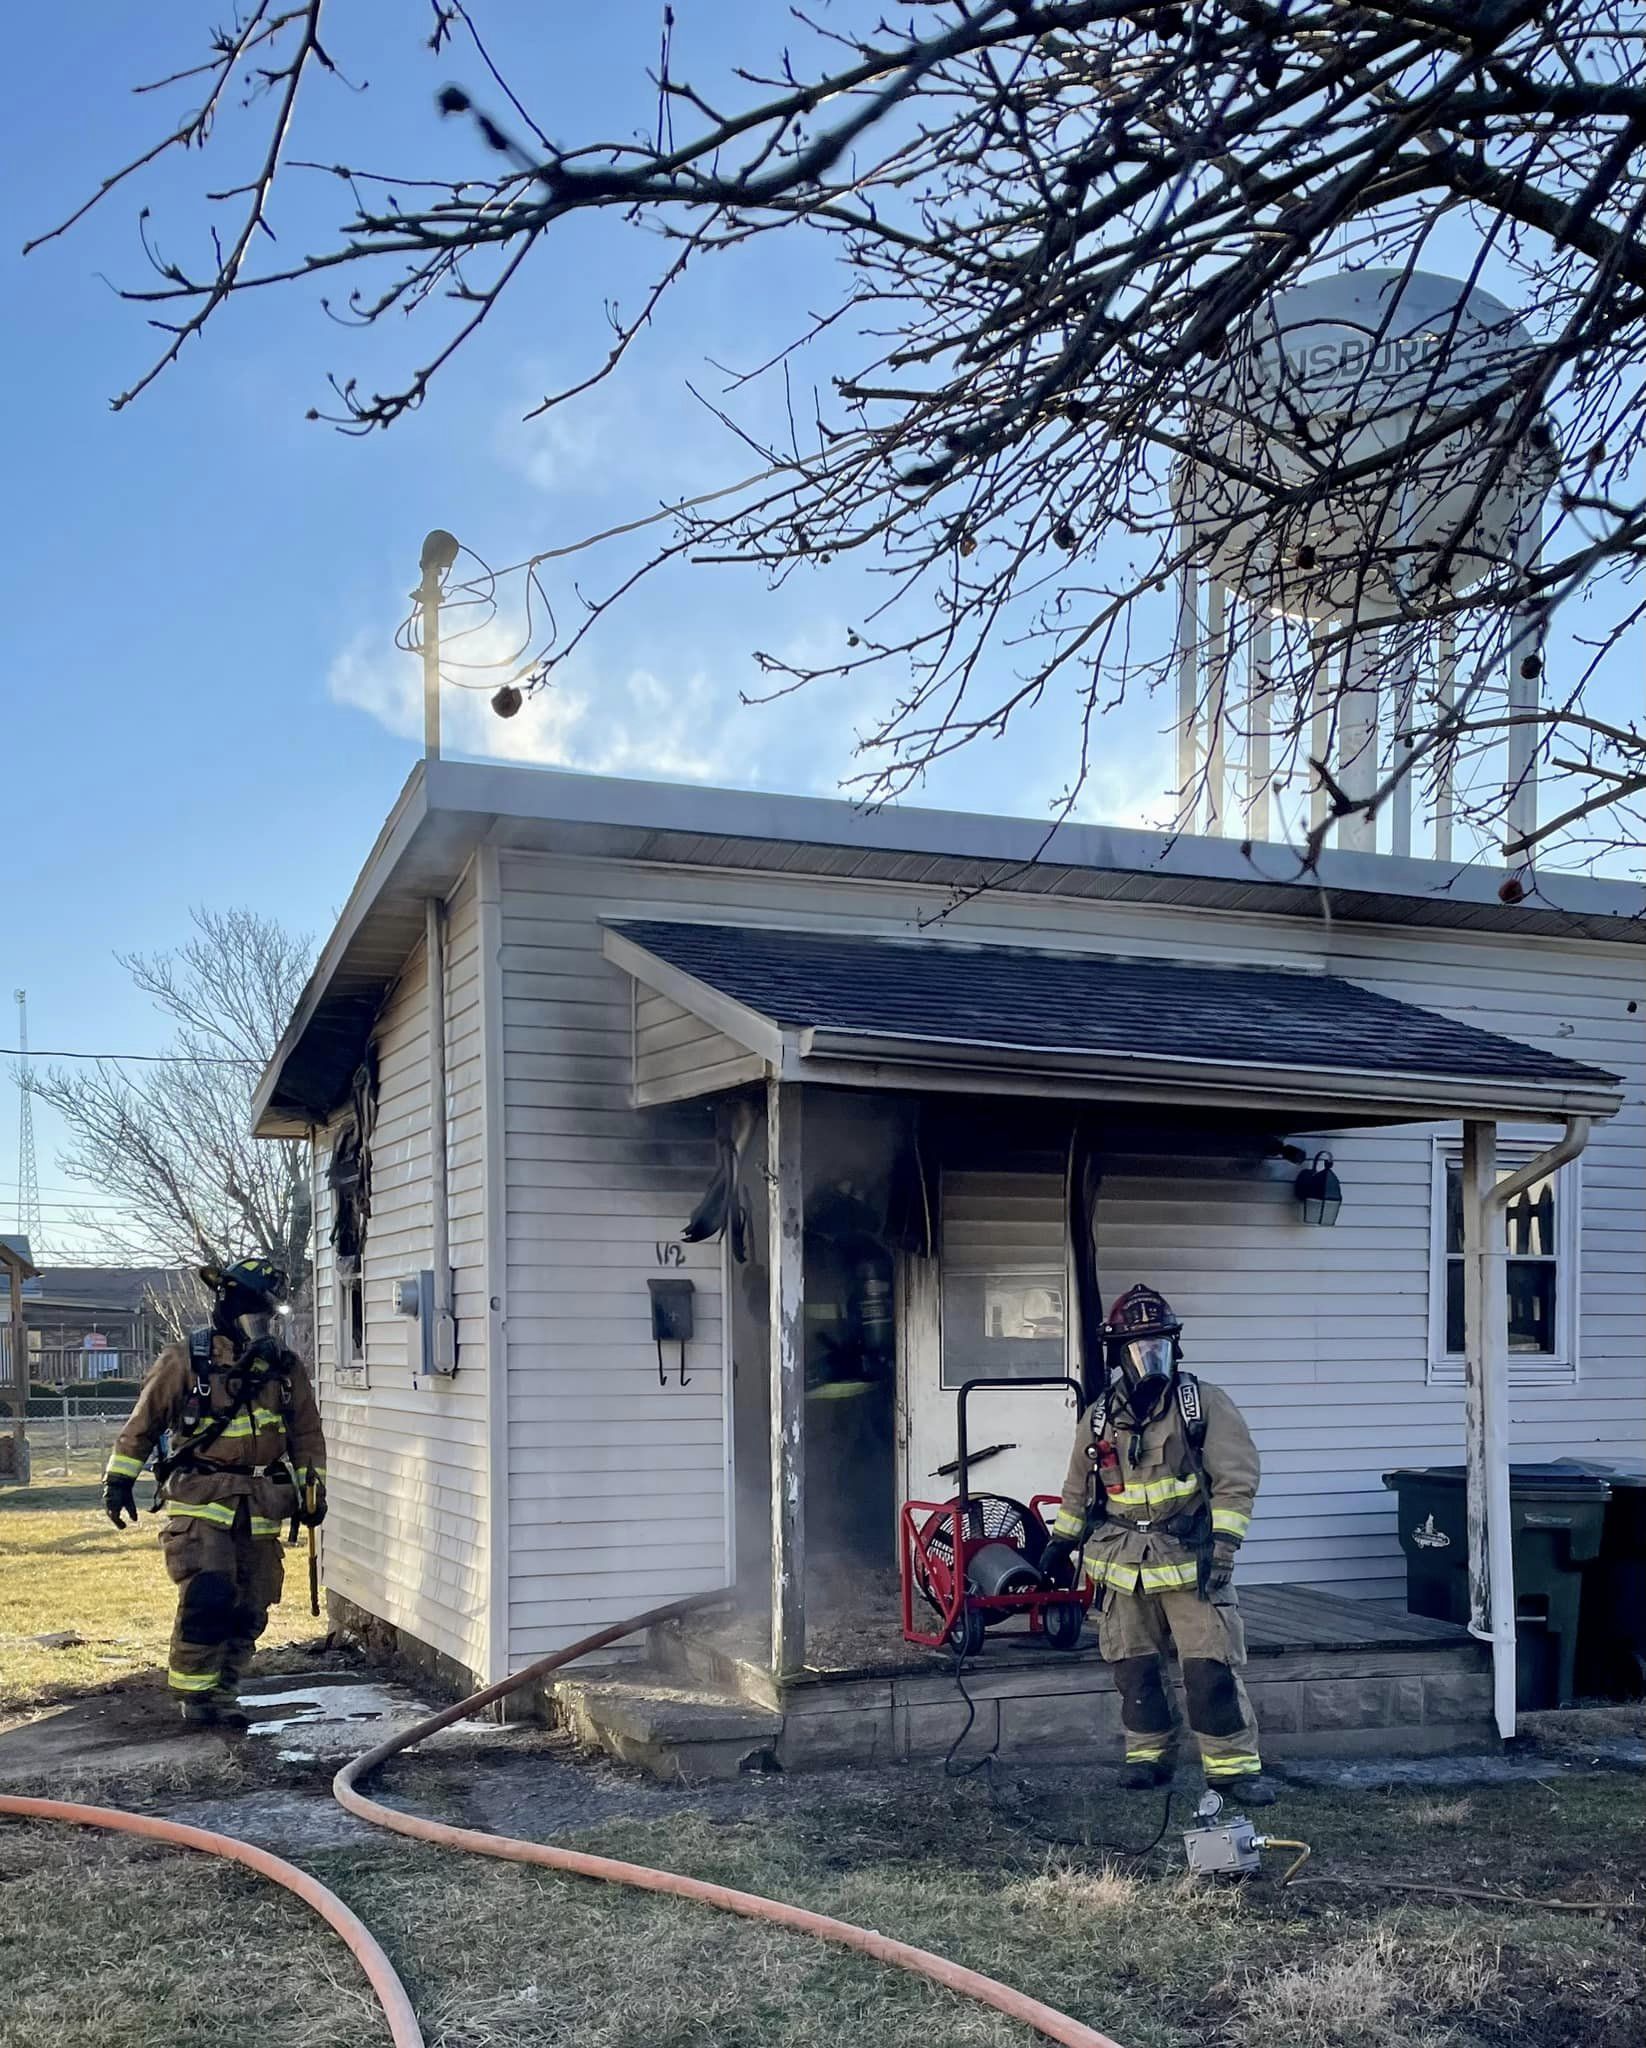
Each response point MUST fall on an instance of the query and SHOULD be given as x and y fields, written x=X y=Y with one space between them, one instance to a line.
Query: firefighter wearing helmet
x=242 y=1462
x=1159 y=1494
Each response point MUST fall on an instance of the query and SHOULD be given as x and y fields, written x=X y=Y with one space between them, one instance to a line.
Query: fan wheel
x=1063 y=1624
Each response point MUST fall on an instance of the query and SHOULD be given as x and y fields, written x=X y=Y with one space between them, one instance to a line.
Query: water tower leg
x=1188 y=687
x=1259 y=718
x=1400 y=801
x=1525 y=647
x=1217 y=704
x=1357 y=725
x=1446 y=697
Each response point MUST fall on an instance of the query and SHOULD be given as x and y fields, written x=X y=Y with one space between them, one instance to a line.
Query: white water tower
x=1331 y=378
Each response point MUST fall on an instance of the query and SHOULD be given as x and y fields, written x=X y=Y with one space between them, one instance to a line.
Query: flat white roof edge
x=563 y=796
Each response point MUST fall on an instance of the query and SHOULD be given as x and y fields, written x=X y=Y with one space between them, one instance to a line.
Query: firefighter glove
x=1057 y=1560
x=312 y=1508
x=1223 y=1563
x=120 y=1500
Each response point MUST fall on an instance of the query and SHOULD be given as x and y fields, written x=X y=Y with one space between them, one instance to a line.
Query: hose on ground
x=1017 y=2005
x=391 y=1993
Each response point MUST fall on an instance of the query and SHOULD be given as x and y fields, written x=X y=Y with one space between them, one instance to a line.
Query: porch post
x=786 y=1226
x=1486 y=1418
x=1478 y=1139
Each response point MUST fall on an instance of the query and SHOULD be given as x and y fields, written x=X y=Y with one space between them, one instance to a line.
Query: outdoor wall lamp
x=1319 y=1192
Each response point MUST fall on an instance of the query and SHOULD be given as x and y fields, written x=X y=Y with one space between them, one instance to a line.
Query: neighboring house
x=634 y=979
x=95 y=1322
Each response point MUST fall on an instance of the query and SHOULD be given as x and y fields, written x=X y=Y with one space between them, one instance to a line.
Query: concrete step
x=696 y=1660
x=670 y=1730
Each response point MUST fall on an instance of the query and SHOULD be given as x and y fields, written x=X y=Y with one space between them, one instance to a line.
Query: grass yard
x=65 y=1570
x=499 y=1956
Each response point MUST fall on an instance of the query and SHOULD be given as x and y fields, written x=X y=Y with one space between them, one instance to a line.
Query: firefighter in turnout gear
x=238 y=1433
x=1159 y=1493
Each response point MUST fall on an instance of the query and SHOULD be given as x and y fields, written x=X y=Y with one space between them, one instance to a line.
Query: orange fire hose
x=391 y=1993
x=1017 y=2005
x=397 y=2006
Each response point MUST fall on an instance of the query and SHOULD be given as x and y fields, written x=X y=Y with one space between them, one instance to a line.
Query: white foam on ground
x=341 y=1720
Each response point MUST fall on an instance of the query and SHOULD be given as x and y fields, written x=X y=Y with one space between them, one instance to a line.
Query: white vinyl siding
x=1321 y=1335
x=677 y=1055
x=405 y=1537
x=618 y=1486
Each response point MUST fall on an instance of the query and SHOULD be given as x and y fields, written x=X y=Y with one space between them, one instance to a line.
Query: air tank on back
x=1350 y=468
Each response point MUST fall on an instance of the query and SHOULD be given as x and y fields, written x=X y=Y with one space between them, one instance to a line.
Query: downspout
x=444 y=1358
x=1493 y=1618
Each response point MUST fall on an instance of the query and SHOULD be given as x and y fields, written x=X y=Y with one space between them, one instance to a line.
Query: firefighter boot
x=225 y=1701
x=1143 y=1776
x=1239 y=1793
x=198 y=1713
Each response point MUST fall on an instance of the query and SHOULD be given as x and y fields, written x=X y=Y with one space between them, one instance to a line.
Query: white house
x=907 y=1024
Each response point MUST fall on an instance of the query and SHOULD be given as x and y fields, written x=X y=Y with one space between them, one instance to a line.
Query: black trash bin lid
x=1592 y=1468
x=1572 y=1475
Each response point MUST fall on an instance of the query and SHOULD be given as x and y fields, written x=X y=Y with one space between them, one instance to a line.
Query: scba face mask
x=1149 y=1358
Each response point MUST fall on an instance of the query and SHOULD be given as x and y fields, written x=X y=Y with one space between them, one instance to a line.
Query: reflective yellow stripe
x=1231 y=1766
x=1144 y=1756
x=1065 y=1525
x=1230 y=1522
x=1123 y=1577
x=262 y=1526
x=1160 y=1578
x=188 y=1681
x=122 y=1467
x=1145 y=1493
x=241 y=1427
x=218 y=1511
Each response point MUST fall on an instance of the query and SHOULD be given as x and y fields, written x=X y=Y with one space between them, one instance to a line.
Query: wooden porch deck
x=855 y=1630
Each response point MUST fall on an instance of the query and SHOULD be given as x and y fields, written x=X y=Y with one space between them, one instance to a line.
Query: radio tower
x=28 y=1176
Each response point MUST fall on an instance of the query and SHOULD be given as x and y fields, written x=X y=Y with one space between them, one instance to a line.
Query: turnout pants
x=227 y=1580
x=1135 y=1633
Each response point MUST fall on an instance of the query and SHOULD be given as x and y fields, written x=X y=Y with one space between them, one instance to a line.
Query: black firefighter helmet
x=248 y=1294
x=1143 y=1347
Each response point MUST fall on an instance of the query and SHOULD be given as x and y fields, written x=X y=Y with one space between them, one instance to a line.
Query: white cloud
x=638 y=723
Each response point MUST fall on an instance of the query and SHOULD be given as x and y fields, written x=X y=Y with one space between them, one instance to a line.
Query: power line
x=164 y=1059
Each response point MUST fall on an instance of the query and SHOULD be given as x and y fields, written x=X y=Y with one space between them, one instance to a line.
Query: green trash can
x=1611 y=1643
x=1557 y=1516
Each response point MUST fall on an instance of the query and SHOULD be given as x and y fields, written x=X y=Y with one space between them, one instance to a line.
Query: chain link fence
x=69 y=1425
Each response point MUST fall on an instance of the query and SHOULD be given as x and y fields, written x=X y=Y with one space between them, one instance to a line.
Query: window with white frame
x=1540 y=1272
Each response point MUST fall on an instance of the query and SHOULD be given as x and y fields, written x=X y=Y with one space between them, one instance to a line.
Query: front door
x=998 y=1303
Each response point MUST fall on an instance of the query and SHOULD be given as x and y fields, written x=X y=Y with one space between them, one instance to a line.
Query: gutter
x=1441 y=1095
x=1491 y=1534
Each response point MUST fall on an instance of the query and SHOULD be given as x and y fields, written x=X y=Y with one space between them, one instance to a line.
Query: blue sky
x=205 y=704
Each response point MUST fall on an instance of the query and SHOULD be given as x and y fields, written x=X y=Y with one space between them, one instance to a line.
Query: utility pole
x=439 y=553
x=28 y=1175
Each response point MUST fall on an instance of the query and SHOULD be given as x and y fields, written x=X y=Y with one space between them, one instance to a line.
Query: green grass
x=498 y=1954
x=65 y=1569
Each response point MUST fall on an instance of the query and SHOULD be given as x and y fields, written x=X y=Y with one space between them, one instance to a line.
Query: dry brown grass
x=1064 y=1891
x=1440 y=1813
x=105 y=1945
x=1378 y=1990
x=64 y=1569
